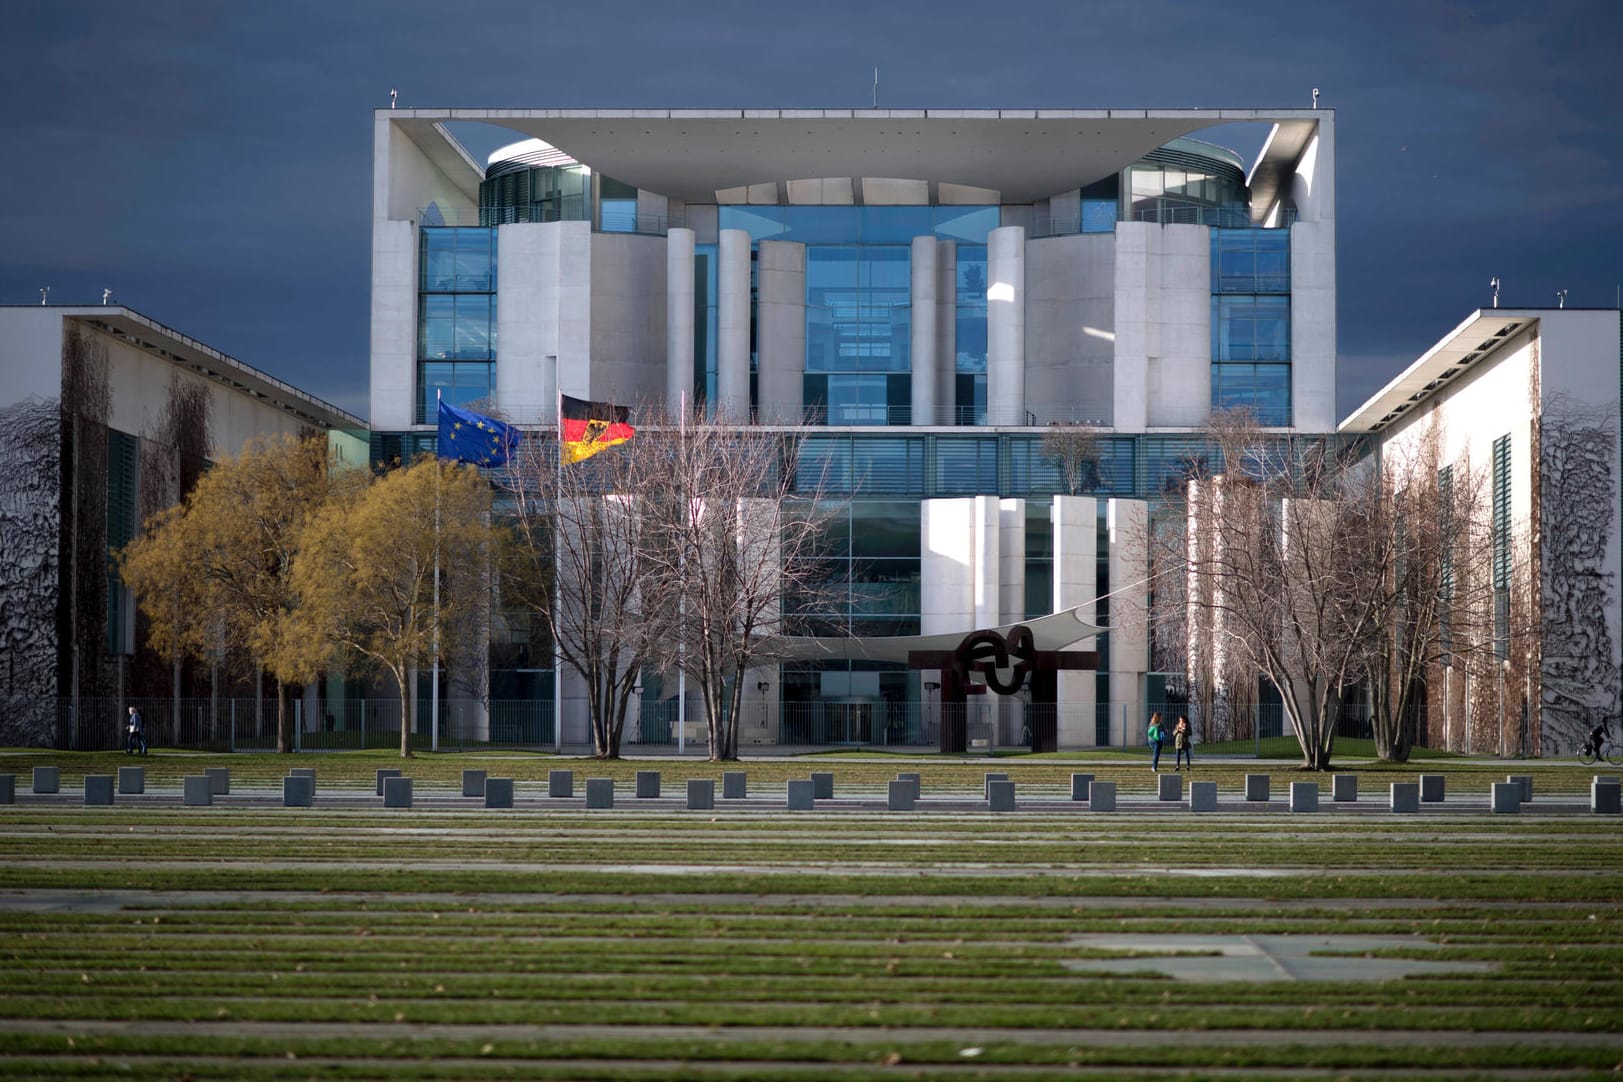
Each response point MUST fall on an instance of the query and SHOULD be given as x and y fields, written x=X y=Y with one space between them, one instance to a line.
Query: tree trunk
x=408 y=713
x=284 y=727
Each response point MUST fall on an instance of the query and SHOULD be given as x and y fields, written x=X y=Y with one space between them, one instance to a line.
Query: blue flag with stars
x=466 y=436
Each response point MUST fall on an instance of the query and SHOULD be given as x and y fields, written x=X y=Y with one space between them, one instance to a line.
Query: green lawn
x=238 y=942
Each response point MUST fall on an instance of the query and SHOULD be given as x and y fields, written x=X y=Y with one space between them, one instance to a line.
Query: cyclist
x=1596 y=744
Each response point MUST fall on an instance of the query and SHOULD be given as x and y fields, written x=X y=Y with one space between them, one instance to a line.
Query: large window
x=1251 y=261
x=1264 y=389
x=858 y=334
x=1251 y=328
x=969 y=365
x=456 y=317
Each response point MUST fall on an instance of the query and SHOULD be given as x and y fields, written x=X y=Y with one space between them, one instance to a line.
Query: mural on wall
x=84 y=683
x=29 y=503
x=1578 y=480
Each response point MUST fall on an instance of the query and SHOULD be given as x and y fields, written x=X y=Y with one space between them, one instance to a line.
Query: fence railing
x=991 y=723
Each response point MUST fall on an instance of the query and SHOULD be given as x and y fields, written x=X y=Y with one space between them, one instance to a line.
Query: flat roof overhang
x=1478 y=337
x=691 y=154
x=149 y=335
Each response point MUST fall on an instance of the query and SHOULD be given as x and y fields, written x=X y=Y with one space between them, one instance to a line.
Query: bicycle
x=1609 y=750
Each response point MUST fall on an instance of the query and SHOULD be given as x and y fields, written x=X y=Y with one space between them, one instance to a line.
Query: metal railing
x=487 y=217
x=991 y=724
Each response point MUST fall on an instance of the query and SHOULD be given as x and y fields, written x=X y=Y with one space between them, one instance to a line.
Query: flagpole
x=682 y=603
x=557 y=501
x=434 y=676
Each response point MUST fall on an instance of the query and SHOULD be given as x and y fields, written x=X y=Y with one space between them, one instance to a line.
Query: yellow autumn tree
x=212 y=574
x=365 y=572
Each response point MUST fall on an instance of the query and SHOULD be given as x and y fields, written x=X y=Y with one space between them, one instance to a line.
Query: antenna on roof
x=876 y=87
x=1493 y=284
x=44 y=294
x=1560 y=298
x=1315 y=97
x=394 y=95
x=107 y=296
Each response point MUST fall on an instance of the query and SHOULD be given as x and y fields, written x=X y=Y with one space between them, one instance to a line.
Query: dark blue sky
x=211 y=162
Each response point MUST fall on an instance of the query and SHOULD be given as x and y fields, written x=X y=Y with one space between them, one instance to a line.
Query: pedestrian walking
x=135 y=734
x=1155 y=737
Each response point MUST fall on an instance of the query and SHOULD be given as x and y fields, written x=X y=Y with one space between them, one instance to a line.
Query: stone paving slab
x=1264 y=957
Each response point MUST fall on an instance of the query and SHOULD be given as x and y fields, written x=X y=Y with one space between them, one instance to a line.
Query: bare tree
x=1278 y=569
x=1074 y=450
x=580 y=559
x=1431 y=527
x=736 y=551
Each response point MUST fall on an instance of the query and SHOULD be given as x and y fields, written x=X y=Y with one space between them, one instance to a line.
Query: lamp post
x=763 y=686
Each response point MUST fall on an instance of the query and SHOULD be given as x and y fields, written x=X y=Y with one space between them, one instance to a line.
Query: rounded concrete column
x=922 y=343
x=946 y=331
x=733 y=327
x=780 y=332
x=678 y=320
x=1006 y=326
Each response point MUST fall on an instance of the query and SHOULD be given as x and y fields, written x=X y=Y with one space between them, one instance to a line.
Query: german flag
x=585 y=428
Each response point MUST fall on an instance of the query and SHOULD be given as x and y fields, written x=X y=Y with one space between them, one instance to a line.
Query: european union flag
x=466 y=436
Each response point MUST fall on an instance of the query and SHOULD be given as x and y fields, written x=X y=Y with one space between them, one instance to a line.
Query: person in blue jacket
x=1156 y=738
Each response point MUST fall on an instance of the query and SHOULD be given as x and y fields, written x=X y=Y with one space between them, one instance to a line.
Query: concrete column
x=733 y=327
x=947 y=565
x=946 y=330
x=543 y=317
x=1076 y=576
x=394 y=322
x=781 y=332
x=1011 y=569
x=1128 y=525
x=925 y=318
x=678 y=320
x=985 y=533
x=1006 y=326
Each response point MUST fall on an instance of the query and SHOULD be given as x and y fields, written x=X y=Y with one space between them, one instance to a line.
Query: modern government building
x=934 y=292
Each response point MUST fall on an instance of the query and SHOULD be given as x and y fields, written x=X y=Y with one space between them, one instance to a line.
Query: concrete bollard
x=912 y=778
x=397 y=792
x=822 y=785
x=47 y=779
x=899 y=795
x=734 y=784
x=561 y=783
x=1525 y=781
x=1405 y=797
x=1506 y=798
x=385 y=775
x=1000 y=795
x=132 y=779
x=302 y=772
x=600 y=792
x=986 y=784
x=1079 y=786
x=498 y=792
x=298 y=791
x=1203 y=796
x=801 y=795
x=197 y=791
x=1605 y=797
x=1304 y=796
x=1431 y=788
x=1102 y=796
x=701 y=794
x=219 y=779
x=647 y=784
x=1169 y=787
x=1343 y=787
x=98 y=789
x=8 y=788
x=1256 y=787
x=473 y=782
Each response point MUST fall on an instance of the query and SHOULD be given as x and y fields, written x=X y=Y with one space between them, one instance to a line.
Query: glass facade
x=858 y=368
x=517 y=192
x=456 y=317
x=1251 y=315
